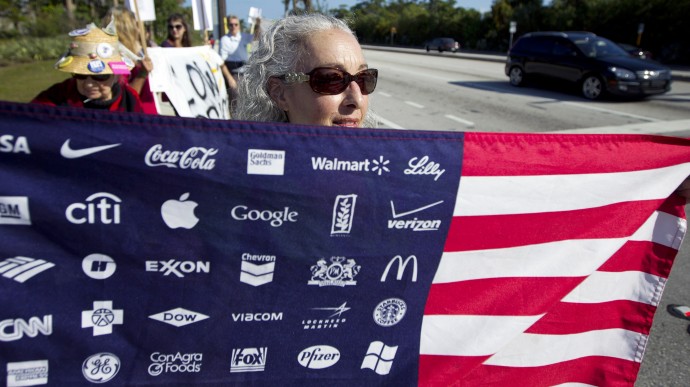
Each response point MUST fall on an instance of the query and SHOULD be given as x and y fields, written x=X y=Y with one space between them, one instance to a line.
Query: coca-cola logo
x=195 y=157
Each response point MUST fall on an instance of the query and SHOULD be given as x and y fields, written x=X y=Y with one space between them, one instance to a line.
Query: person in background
x=96 y=65
x=178 y=32
x=129 y=35
x=307 y=69
x=233 y=47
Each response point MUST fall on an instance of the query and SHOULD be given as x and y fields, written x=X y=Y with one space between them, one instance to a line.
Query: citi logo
x=100 y=207
x=179 y=317
x=22 y=269
x=248 y=359
x=413 y=224
x=378 y=166
x=275 y=218
x=10 y=144
x=195 y=157
x=178 y=268
x=401 y=267
x=15 y=329
x=422 y=166
x=14 y=210
x=318 y=357
x=260 y=273
x=254 y=317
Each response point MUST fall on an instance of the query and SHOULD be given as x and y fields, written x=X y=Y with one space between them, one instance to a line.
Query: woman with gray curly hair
x=307 y=69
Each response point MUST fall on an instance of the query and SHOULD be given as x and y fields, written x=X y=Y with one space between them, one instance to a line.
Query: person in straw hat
x=96 y=65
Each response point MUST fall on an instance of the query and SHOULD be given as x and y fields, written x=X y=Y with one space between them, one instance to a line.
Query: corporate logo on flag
x=414 y=224
x=340 y=272
x=318 y=357
x=389 y=312
x=248 y=359
x=257 y=317
x=68 y=152
x=379 y=357
x=175 y=363
x=402 y=265
x=101 y=207
x=422 y=166
x=179 y=213
x=10 y=144
x=343 y=214
x=100 y=367
x=27 y=373
x=257 y=269
x=98 y=266
x=22 y=269
x=265 y=162
x=101 y=318
x=179 y=317
x=195 y=157
x=15 y=210
x=15 y=329
x=332 y=318
x=378 y=166
x=178 y=268
x=274 y=218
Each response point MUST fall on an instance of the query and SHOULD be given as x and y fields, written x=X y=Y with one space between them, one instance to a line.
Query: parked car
x=636 y=51
x=442 y=44
x=593 y=63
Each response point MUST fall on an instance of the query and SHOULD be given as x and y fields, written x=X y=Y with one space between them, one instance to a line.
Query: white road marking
x=383 y=94
x=418 y=106
x=616 y=112
x=467 y=123
x=387 y=123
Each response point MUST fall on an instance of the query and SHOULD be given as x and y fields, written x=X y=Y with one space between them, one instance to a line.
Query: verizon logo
x=22 y=269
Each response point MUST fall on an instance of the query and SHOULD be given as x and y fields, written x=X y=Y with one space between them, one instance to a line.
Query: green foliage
x=28 y=49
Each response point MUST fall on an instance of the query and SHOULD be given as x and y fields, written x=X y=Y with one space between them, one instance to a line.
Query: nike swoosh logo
x=395 y=216
x=67 y=152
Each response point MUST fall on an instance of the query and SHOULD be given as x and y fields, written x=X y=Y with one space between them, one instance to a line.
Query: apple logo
x=179 y=213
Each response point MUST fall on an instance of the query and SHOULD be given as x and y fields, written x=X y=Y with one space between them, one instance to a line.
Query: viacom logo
x=27 y=373
x=334 y=164
x=413 y=224
x=100 y=207
x=258 y=273
x=175 y=363
x=15 y=210
x=260 y=317
x=178 y=317
x=248 y=359
x=195 y=157
x=15 y=329
x=318 y=357
x=265 y=162
x=178 y=268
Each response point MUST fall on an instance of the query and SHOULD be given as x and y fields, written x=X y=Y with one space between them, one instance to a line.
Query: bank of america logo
x=256 y=275
x=21 y=269
x=379 y=358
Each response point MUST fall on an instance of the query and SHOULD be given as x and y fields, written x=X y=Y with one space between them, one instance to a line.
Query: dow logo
x=178 y=317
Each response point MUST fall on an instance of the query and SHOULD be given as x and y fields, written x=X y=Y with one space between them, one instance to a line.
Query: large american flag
x=214 y=253
x=555 y=261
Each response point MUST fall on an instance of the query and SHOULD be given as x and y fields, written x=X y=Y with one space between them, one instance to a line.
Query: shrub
x=22 y=50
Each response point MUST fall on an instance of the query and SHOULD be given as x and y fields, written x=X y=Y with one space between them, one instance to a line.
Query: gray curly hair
x=278 y=51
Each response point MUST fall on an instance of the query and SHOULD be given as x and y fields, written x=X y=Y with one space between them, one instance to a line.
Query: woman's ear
x=276 y=90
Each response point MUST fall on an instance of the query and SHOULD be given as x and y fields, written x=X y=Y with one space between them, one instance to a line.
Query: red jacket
x=66 y=94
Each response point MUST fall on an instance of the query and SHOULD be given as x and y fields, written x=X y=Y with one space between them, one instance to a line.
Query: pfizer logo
x=389 y=312
x=101 y=367
x=318 y=357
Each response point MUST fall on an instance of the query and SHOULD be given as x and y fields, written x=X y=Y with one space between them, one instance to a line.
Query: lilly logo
x=179 y=213
x=318 y=357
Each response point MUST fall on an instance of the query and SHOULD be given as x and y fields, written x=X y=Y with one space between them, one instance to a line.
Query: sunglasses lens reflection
x=335 y=81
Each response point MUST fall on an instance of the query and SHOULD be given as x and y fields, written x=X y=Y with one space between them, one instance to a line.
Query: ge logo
x=102 y=317
x=100 y=367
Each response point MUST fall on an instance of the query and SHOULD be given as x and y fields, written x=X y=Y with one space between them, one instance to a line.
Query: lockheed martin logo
x=413 y=224
x=333 y=319
x=179 y=317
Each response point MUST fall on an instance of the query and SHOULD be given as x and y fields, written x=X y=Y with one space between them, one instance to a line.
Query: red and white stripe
x=556 y=259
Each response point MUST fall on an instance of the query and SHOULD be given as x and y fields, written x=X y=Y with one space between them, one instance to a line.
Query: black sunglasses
x=331 y=81
x=97 y=78
x=175 y=26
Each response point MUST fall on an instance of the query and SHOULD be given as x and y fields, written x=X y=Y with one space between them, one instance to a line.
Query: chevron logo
x=256 y=275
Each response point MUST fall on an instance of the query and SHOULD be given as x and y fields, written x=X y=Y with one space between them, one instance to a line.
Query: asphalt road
x=467 y=91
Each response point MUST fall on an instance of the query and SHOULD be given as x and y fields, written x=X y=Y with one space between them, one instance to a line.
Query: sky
x=274 y=9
